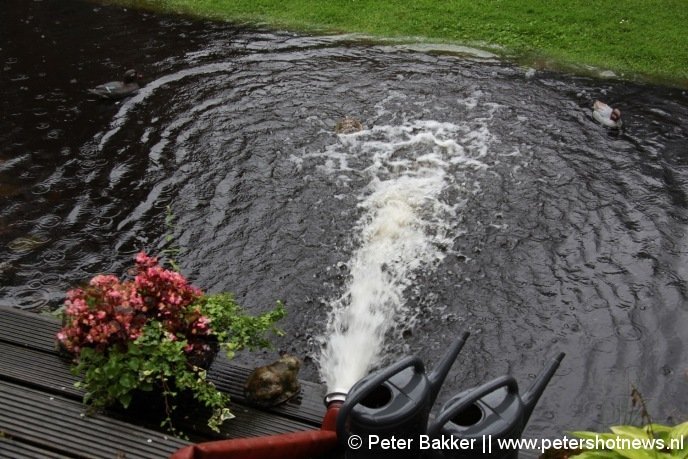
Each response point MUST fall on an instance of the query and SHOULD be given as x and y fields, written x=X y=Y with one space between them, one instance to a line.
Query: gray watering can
x=485 y=415
x=392 y=402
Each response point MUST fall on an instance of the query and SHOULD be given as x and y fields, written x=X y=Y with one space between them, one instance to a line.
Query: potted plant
x=155 y=332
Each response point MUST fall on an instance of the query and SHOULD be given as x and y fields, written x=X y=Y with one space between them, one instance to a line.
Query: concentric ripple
x=479 y=196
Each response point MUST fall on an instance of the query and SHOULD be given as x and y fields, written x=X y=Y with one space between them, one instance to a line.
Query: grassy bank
x=630 y=37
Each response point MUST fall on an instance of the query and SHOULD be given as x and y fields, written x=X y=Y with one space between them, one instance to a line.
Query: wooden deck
x=41 y=414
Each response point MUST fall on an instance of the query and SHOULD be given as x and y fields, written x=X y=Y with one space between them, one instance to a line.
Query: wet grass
x=647 y=38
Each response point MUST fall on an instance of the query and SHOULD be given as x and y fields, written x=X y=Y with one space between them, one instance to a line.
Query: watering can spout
x=531 y=397
x=438 y=375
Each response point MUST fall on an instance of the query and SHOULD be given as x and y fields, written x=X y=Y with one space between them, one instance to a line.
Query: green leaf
x=632 y=453
x=680 y=431
x=127 y=380
x=659 y=431
x=678 y=440
x=134 y=363
x=603 y=454
x=145 y=387
x=111 y=371
x=630 y=432
x=125 y=399
x=594 y=435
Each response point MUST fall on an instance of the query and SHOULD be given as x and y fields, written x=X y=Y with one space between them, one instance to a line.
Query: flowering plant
x=149 y=332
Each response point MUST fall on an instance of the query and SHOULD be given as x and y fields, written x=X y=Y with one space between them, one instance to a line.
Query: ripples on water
x=539 y=230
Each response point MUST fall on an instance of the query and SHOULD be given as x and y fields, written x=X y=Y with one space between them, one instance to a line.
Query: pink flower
x=103 y=281
x=109 y=312
x=143 y=260
x=201 y=326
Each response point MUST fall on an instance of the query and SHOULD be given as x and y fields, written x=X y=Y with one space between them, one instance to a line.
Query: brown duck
x=118 y=89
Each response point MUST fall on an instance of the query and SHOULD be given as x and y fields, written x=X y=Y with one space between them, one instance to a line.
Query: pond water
x=479 y=196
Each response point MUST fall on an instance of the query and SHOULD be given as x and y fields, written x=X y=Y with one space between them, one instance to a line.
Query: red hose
x=295 y=445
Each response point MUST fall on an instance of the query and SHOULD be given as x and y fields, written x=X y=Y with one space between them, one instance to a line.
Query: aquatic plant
x=155 y=332
x=653 y=441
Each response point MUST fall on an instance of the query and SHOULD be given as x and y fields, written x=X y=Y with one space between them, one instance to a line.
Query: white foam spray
x=406 y=224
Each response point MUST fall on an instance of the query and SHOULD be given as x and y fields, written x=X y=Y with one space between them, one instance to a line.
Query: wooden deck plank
x=50 y=374
x=36 y=331
x=27 y=329
x=37 y=369
x=42 y=414
x=45 y=421
x=12 y=449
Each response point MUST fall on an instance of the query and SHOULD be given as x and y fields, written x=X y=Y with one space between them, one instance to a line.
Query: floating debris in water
x=26 y=243
x=348 y=125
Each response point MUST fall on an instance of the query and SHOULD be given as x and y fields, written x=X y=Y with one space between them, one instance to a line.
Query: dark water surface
x=564 y=236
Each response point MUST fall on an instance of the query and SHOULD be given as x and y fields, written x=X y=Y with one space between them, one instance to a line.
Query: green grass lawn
x=646 y=38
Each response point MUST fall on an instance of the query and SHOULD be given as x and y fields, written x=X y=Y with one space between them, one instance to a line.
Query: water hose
x=293 y=445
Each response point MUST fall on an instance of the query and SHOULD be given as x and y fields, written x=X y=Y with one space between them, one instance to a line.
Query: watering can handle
x=368 y=386
x=472 y=397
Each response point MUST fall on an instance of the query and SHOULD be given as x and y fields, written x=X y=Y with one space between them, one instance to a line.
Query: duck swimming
x=118 y=89
x=603 y=113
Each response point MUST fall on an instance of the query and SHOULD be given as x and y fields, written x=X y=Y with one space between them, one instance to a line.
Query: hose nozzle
x=337 y=395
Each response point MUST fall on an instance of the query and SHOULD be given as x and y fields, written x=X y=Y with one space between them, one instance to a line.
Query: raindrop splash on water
x=408 y=221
